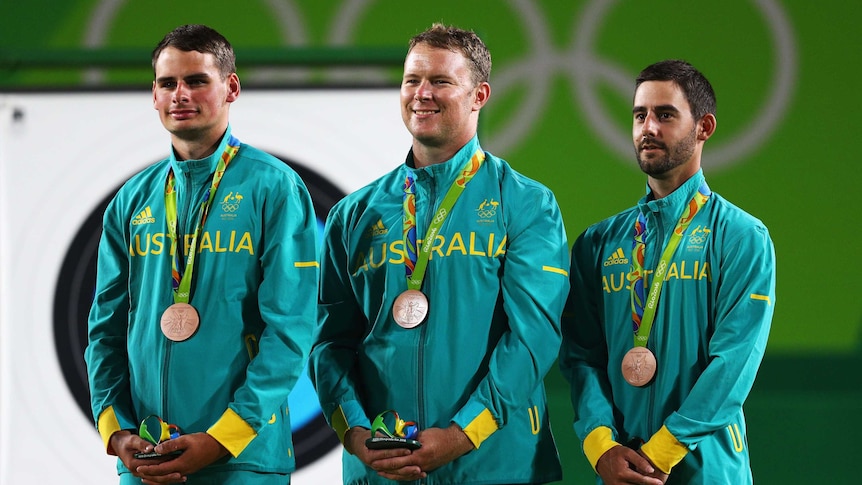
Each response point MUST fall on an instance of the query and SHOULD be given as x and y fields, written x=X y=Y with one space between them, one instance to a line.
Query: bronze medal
x=180 y=321
x=410 y=308
x=639 y=366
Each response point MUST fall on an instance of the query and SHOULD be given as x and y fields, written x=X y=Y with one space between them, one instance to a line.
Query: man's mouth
x=651 y=146
x=183 y=113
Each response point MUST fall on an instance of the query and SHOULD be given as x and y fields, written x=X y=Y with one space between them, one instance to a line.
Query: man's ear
x=483 y=92
x=706 y=127
x=233 y=87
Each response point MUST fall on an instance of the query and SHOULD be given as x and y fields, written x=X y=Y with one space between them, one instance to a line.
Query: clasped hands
x=439 y=447
x=623 y=465
x=199 y=450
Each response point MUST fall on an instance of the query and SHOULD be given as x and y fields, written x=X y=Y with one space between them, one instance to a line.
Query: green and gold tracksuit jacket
x=255 y=280
x=709 y=336
x=496 y=284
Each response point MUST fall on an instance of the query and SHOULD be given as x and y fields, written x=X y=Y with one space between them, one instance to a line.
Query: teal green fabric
x=709 y=336
x=256 y=305
x=496 y=285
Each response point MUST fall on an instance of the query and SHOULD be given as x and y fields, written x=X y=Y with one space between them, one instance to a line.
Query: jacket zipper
x=658 y=248
x=420 y=388
x=181 y=242
x=164 y=414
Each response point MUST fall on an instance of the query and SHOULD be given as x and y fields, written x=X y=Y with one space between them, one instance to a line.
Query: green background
x=800 y=177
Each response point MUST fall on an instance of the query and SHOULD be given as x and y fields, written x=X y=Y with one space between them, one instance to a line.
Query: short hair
x=696 y=88
x=458 y=40
x=202 y=39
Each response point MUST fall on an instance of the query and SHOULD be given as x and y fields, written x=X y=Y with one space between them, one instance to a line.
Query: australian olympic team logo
x=698 y=235
x=231 y=201
x=229 y=206
x=697 y=238
x=487 y=210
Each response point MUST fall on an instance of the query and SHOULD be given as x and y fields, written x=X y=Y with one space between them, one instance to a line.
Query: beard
x=674 y=155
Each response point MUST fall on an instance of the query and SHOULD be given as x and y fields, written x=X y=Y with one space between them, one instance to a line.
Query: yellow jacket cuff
x=483 y=426
x=232 y=432
x=597 y=443
x=108 y=425
x=664 y=450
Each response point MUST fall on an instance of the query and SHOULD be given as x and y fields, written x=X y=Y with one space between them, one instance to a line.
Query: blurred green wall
x=786 y=75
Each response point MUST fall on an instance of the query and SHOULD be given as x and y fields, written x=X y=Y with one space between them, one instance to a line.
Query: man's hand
x=125 y=444
x=657 y=473
x=394 y=464
x=199 y=450
x=623 y=465
x=441 y=446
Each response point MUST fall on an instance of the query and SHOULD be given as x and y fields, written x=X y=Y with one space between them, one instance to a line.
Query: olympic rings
x=537 y=68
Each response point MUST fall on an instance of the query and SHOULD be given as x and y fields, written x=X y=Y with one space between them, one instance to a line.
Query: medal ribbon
x=415 y=267
x=643 y=311
x=409 y=219
x=181 y=280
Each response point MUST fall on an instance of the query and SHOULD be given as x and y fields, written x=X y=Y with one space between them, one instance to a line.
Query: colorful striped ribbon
x=643 y=310
x=181 y=278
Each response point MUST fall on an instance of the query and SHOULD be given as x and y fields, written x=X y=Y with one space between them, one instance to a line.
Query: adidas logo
x=378 y=229
x=145 y=217
x=619 y=257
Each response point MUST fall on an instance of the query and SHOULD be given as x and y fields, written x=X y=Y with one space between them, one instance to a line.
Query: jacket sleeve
x=341 y=324
x=584 y=354
x=744 y=304
x=106 y=355
x=534 y=287
x=286 y=303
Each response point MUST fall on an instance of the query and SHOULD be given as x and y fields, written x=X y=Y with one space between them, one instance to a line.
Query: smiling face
x=440 y=102
x=191 y=97
x=668 y=141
